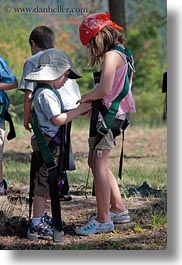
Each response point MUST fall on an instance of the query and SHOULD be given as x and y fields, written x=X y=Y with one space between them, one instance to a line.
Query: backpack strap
x=4 y=114
x=12 y=133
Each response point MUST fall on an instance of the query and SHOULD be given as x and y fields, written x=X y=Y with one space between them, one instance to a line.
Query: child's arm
x=66 y=117
x=7 y=78
x=27 y=109
x=8 y=86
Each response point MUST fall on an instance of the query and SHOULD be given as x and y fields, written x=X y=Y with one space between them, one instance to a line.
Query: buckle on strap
x=102 y=129
x=51 y=165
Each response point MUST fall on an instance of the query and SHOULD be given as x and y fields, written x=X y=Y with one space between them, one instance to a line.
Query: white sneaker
x=117 y=218
x=94 y=227
x=120 y=218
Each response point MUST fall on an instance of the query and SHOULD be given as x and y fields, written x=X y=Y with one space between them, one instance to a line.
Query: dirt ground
x=141 y=233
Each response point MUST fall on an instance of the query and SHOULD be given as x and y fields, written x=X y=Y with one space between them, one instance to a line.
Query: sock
x=36 y=221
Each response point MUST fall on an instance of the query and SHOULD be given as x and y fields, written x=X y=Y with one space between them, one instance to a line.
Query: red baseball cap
x=92 y=24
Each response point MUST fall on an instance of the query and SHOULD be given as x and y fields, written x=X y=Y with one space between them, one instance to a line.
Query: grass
x=155 y=177
x=142 y=161
x=158 y=219
x=145 y=158
x=17 y=172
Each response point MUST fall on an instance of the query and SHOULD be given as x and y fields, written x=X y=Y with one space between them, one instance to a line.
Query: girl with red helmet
x=100 y=35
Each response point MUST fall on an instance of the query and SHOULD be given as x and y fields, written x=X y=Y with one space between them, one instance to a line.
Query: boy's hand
x=28 y=124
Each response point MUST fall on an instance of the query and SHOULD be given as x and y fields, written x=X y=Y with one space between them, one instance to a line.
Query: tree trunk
x=117 y=12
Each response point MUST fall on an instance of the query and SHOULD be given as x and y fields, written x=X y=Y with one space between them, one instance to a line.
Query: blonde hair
x=103 y=41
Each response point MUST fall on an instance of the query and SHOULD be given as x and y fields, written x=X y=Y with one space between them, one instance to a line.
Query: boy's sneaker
x=41 y=231
x=47 y=219
x=120 y=218
x=94 y=227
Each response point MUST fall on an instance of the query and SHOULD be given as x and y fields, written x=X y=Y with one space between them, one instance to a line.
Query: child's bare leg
x=39 y=204
x=102 y=184
x=117 y=203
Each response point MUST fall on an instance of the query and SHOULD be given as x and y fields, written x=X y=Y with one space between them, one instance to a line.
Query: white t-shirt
x=70 y=94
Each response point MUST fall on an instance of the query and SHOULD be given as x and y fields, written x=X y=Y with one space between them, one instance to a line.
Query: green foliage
x=147 y=39
x=146 y=34
x=149 y=108
x=86 y=83
x=14 y=36
x=138 y=229
x=158 y=219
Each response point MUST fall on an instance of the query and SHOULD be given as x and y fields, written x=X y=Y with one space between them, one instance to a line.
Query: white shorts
x=2 y=135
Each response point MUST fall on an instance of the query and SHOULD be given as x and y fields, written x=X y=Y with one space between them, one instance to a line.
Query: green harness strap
x=53 y=178
x=115 y=104
x=112 y=111
x=43 y=146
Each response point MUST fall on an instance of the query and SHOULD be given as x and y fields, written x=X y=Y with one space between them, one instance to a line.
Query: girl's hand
x=83 y=99
x=84 y=107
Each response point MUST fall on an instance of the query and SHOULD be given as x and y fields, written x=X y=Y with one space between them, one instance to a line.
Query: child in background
x=7 y=81
x=42 y=38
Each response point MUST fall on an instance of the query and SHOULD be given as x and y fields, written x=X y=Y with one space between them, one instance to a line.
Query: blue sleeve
x=6 y=75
